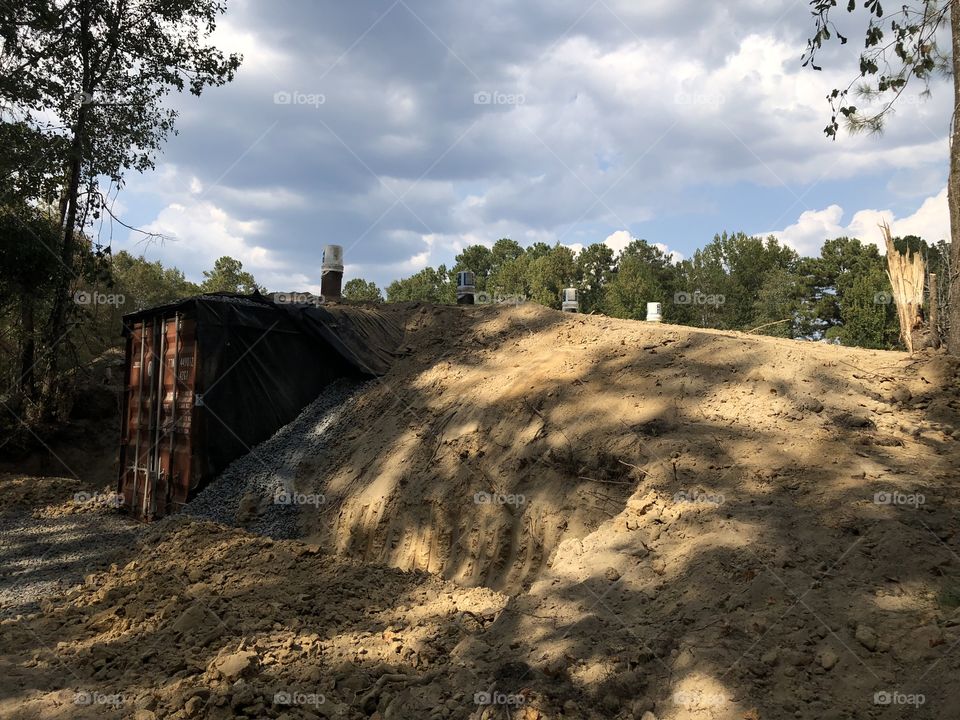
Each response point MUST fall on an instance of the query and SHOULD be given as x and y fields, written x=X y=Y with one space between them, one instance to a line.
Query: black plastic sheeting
x=260 y=363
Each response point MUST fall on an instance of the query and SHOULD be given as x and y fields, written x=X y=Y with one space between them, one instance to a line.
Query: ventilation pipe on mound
x=331 y=279
x=466 y=287
x=570 y=302
x=653 y=312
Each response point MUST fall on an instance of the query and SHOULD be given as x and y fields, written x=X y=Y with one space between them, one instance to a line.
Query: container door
x=156 y=442
x=135 y=441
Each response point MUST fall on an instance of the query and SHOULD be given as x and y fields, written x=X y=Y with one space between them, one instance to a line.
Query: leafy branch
x=898 y=47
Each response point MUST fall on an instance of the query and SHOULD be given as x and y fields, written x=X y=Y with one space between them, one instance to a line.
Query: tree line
x=735 y=282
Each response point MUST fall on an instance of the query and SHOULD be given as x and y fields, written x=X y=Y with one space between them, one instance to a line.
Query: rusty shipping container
x=209 y=377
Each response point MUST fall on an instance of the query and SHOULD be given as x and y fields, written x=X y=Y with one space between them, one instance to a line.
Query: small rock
x=866 y=636
x=811 y=404
x=191 y=619
x=193 y=706
x=901 y=394
x=236 y=664
x=611 y=574
x=771 y=656
x=827 y=659
x=641 y=707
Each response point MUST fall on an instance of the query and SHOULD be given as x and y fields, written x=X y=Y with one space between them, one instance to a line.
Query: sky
x=405 y=130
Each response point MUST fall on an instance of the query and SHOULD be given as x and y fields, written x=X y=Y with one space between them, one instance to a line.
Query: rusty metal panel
x=157 y=438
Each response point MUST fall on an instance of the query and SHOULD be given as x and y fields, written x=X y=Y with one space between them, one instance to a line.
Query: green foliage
x=228 y=275
x=82 y=91
x=29 y=251
x=735 y=282
x=899 y=47
x=102 y=69
x=511 y=277
x=727 y=284
x=595 y=269
x=358 y=289
x=868 y=317
x=428 y=285
x=146 y=284
x=550 y=273
x=643 y=274
x=504 y=251
x=848 y=294
x=479 y=260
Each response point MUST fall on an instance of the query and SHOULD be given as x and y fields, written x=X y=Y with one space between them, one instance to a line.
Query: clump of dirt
x=215 y=622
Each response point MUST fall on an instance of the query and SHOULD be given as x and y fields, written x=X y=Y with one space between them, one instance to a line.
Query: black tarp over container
x=209 y=377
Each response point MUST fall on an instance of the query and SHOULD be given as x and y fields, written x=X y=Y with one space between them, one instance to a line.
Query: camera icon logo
x=882 y=697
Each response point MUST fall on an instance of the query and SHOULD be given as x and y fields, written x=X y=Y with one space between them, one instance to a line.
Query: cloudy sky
x=405 y=130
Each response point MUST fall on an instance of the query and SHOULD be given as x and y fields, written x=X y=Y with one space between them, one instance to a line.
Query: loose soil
x=538 y=515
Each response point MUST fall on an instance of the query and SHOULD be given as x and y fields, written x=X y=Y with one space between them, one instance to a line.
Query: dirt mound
x=509 y=430
x=540 y=515
x=215 y=622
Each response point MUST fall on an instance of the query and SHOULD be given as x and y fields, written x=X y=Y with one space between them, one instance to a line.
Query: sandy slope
x=581 y=517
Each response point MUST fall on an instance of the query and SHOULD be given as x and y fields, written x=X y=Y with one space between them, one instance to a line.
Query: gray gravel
x=41 y=557
x=268 y=472
x=45 y=556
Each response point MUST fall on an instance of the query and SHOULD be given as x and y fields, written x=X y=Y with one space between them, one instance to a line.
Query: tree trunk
x=27 y=348
x=56 y=327
x=953 y=191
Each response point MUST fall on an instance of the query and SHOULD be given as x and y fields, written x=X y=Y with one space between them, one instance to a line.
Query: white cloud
x=198 y=233
x=609 y=134
x=618 y=240
x=931 y=221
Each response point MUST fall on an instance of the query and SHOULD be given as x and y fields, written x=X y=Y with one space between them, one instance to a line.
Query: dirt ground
x=537 y=515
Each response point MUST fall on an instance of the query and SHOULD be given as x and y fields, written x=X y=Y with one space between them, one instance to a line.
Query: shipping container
x=209 y=377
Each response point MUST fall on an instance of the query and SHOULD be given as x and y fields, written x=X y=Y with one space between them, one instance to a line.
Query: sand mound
x=537 y=515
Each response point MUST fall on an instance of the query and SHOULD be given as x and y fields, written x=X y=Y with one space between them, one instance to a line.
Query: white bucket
x=653 y=312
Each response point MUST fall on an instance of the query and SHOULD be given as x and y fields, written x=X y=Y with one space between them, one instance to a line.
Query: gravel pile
x=41 y=557
x=257 y=490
